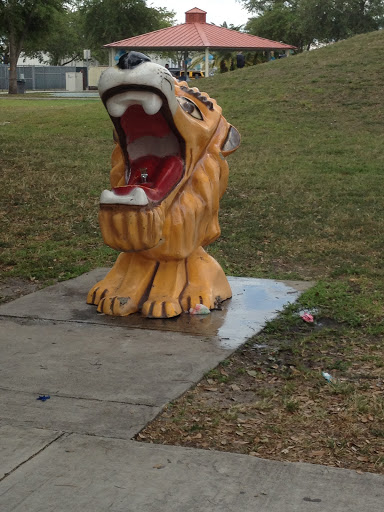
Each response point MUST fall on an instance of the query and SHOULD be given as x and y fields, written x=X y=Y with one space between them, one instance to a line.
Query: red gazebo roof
x=196 y=34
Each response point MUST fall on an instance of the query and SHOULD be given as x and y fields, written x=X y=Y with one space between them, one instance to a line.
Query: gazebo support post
x=185 y=64
x=112 y=53
x=206 y=62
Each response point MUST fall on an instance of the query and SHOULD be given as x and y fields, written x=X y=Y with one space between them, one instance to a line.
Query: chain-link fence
x=40 y=78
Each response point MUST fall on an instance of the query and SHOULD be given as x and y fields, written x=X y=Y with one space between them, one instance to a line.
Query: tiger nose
x=132 y=59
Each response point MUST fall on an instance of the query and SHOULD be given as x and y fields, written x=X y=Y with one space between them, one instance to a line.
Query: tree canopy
x=22 y=21
x=65 y=43
x=303 y=22
x=63 y=29
x=106 y=21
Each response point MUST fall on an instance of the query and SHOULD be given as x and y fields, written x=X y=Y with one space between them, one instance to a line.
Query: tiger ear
x=232 y=142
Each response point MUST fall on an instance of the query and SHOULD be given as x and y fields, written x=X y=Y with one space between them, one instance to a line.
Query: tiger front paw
x=167 y=308
x=117 y=306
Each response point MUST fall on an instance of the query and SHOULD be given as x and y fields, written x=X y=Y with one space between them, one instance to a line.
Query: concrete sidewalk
x=107 y=378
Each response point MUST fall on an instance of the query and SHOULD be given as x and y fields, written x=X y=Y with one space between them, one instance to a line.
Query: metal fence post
x=33 y=78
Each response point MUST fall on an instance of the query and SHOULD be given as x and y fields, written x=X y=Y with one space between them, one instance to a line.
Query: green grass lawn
x=304 y=201
x=54 y=163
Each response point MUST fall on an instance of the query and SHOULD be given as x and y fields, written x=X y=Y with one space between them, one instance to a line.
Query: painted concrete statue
x=168 y=174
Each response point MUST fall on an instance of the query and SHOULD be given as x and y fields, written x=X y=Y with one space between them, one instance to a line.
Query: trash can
x=20 y=86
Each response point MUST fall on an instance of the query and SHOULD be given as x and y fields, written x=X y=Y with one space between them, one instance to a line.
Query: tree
x=279 y=22
x=64 y=43
x=106 y=21
x=22 y=20
x=91 y=24
x=332 y=20
x=63 y=29
x=302 y=22
x=262 y=6
x=231 y=26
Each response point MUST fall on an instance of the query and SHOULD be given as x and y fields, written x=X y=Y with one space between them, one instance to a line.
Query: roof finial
x=195 y=15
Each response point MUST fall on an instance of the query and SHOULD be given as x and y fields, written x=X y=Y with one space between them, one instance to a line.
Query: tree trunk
x=14 y=54
x=12 y=89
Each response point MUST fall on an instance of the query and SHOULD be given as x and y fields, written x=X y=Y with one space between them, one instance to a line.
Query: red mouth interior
x=157 y=176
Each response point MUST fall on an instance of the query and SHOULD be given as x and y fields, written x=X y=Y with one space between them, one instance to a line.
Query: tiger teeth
x=137 y=197
x=119 y=103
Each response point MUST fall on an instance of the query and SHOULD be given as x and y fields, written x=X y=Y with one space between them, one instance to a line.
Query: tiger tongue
x=171 y=174
x=146 y=165
x=156 y=176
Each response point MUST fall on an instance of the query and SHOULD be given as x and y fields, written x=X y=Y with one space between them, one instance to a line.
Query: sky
x=217 y=11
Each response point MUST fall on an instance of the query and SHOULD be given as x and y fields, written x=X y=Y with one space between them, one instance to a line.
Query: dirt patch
x=273 y=402
x=12 y=288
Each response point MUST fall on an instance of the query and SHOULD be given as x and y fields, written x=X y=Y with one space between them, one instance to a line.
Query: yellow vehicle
x=193 y=74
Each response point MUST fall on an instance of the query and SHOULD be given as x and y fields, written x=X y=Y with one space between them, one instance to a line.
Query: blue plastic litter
x=43 y=398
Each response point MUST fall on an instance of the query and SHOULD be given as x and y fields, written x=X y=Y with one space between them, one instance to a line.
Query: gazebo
x=196 y=35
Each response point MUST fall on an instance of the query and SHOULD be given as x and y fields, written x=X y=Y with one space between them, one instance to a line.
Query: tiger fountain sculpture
x=168 y=174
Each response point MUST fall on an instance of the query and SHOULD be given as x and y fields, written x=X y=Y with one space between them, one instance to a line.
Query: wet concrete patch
x=254 y=302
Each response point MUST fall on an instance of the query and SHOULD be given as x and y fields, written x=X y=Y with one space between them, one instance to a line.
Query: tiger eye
x=188 y=107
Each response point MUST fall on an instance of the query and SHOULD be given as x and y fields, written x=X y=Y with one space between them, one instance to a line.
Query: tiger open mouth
x=153 y=149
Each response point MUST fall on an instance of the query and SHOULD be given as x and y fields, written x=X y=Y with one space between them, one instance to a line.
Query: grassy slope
x=310 y=168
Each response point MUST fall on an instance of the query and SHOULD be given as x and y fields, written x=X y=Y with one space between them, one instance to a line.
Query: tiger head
x=168 y=166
